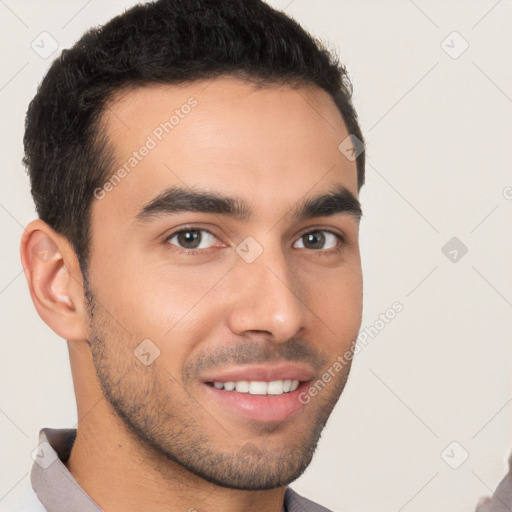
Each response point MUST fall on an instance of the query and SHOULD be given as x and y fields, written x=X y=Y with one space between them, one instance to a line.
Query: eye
x=319 y=240
x=191 y=239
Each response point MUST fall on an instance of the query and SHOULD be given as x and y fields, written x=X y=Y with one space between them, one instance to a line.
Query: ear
x=54 y=280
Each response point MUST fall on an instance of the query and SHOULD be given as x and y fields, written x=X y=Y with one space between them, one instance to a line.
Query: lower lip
x=264 y=408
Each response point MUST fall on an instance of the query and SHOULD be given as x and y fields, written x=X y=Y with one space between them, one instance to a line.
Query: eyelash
x=192 y=252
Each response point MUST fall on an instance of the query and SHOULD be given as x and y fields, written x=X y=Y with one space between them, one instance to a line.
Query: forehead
x=272 y=144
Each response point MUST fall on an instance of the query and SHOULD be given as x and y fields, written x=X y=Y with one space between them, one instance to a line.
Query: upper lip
x=268 y=373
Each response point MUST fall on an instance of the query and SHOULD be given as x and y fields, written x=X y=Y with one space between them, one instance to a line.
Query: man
x=196 y=167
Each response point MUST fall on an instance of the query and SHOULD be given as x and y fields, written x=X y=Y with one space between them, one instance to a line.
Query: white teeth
x=242 y=386
x=229 y=386
x=275 y=387
x=255 y=387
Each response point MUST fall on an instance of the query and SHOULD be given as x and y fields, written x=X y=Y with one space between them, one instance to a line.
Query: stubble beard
x=168 y=427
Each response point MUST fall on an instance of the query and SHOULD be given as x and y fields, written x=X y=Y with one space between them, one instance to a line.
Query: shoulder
x=296 y=503
x=502 y=497
x=21 y=498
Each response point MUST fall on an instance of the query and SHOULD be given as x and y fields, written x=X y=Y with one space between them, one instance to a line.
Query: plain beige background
x=433 y=385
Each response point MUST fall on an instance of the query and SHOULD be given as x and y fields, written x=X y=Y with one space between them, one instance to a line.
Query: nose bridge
x=267 y=298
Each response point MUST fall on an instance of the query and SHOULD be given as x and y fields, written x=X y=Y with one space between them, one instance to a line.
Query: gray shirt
x=53 y=489
x=501 y=500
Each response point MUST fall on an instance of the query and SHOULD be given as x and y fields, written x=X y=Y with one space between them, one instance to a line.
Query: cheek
x=337 y=300
x=148 y=300
x=175 y=309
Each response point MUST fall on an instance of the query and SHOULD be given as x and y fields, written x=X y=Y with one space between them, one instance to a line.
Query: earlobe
x=48 y=262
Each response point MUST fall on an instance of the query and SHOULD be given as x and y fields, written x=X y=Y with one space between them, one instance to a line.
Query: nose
x=266 y=297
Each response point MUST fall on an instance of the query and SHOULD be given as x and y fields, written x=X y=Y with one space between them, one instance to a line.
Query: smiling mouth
x=274 y=387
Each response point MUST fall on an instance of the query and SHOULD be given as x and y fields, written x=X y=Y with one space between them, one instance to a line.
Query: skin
x=175 y=448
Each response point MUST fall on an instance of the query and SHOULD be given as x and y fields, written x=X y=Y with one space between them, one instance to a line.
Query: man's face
x=251 y=296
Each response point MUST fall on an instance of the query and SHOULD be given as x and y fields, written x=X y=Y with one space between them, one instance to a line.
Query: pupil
x=320 y=239
x=189 y=237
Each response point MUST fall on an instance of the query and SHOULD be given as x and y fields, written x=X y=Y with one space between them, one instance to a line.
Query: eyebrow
x=338 y=200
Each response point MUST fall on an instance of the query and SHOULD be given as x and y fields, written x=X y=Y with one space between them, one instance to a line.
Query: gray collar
x=51 y=480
